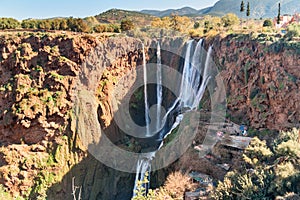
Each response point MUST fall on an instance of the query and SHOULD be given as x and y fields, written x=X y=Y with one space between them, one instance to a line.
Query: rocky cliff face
x=42 y=75
x=37 y=77
x=262 y=81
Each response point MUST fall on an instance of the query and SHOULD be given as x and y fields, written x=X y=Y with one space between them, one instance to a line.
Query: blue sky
x=23 y=9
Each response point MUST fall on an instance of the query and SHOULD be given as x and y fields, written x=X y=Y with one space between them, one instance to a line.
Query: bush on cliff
x=293 y=31
x=230 y=19
x=268 y=172
x=267 y=23
x=127 y=25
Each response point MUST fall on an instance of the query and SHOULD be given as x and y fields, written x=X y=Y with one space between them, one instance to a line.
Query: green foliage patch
x=269 y=171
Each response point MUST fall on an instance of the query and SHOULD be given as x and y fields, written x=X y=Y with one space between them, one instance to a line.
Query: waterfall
x=185 y=94
x=196 y=65
x=192 y=88
x=144 y=163
x=158 y=87
x=205 y=79
x=147 y=120
x=143 y=166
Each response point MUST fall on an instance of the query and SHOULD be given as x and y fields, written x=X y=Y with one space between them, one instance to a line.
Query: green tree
x=100 y=28
x=278 y=15
x=230 y=19
x=63 y=24
x=77 y=25
x=293 y=30
x=29 y=23
x=248 y=10
x=9 y=23
x=164 y=22
x=127 y=25
x=267 y=23
x=82 y=26
x=55 y=24
x=179 y=23
x=242 y=7
x=196 y=25
x=44 y=24
x=115 y=28
x=211 y=23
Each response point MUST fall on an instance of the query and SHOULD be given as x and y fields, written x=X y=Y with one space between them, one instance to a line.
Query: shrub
x=267 y=23
x=100 y=28
x=196 y=25
x=115 y=28
x=179 y=23
x=212 y=23
x=293 y=31
x=174 y=188
x=127 y=25
x=268 y=171
x=177 y=183
x=164 y=22
x=9 y=23
x=195 y=33
x=29 y=23
x=230 y=19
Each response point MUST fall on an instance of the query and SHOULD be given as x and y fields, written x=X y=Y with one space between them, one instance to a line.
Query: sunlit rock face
x=262 y=81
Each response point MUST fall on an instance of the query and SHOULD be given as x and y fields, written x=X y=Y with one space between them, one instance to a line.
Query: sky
x=24 y=9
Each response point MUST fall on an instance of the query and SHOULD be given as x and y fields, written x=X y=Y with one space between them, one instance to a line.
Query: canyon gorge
x=58 y=95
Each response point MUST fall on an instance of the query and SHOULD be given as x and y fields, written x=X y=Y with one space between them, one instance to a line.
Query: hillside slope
x=117 y=15
x=164 y=13
x=259 y=8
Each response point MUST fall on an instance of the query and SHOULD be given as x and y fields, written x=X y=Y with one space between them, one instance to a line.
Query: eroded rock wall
x=40 y=76
x=262 y=81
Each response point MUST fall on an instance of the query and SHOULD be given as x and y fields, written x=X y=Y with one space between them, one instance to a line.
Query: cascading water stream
x=144 y=163
x=185 y=83
x=191 y=92
x=190 y=83
x=205 y=79
x=147 y=120
x=143 y=166
x=158 y=87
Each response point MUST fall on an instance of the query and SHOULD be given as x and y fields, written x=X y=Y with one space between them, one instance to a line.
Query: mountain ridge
x=258 y=9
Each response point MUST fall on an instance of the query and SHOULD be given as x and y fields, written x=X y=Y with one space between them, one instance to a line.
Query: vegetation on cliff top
x=267 y=171
x=116 y=20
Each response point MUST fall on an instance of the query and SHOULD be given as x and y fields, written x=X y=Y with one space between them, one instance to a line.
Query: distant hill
x=117 y=15
x=259 y=8
x=187 y=11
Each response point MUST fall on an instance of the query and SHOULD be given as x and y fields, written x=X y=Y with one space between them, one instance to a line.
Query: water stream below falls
x=194 y=80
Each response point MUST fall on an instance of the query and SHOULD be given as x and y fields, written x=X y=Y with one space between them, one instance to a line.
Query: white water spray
x=147 y=120
x=158 y=88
